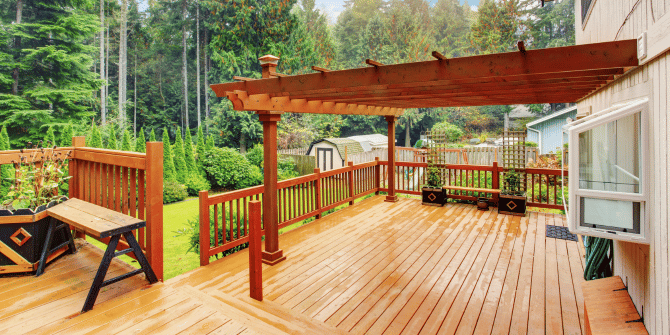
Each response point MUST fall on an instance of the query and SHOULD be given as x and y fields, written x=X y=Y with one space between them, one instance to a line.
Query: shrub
x=286 y=169
x=193 y=233
x=530 y=144
x=195 y=183
x=255 y=155
x=228 y=169
x=168 y=162
x=452 y=132
x=189 y=157
x=141 y=143
x=179 y=163
x=173 y=192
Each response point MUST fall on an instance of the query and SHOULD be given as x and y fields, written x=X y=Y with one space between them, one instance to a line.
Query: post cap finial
x=269 y=59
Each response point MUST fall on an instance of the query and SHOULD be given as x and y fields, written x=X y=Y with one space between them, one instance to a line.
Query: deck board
x=375 y=267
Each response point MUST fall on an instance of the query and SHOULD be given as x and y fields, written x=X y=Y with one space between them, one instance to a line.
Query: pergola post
x=391 y=197
x=272 y=254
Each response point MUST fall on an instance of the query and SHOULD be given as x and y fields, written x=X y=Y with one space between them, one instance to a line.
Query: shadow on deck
x=377 y=268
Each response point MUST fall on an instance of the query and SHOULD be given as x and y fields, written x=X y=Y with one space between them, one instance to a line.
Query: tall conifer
x=188 y=152
x=50 y=138
x=152 y=136
x=94 y=139
x=5 y=170
x=179 y=163
x=141 y=143
x=200 y=148
x=126 y=142
x=112 y=143
x=168 y=163
x=210 y=143
x=66 y=136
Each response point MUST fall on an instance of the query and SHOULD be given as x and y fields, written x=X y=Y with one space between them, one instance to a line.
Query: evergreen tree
x=189 y=157
x=112 y=142
x=152 y=136
x=141 y=143
x=66 y=136
x=168 y=159
x=46 y=66
x=495 y=29
x=126 y=142
x=7 y=169
x=210 y=143
x=94 y=139
x=49 y=139
x=179 y=162
x=200 y=148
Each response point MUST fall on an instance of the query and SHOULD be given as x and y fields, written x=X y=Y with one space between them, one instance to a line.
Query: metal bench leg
x=144 y=263
x=45 y=249
x=102 y=272
x=51 y=234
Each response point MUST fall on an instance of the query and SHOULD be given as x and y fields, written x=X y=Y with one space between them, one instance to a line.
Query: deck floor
x=376 y=268
x=403 y=268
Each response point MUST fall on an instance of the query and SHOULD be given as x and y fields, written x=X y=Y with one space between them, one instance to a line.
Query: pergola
x=564 y=74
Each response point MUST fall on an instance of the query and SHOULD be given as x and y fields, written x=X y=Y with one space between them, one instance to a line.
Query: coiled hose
x=598 y=257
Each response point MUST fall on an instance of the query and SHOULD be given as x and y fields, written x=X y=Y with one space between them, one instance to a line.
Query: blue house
x=547 y=132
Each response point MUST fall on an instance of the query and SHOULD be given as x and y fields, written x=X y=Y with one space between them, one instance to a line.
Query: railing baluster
x=216 y=224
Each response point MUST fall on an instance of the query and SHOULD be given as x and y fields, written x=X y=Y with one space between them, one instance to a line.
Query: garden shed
x=372 y=141
x=547 y=132
x=331 y=153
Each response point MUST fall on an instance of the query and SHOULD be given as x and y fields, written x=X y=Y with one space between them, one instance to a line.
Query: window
x=586 y=6
x=608 y=193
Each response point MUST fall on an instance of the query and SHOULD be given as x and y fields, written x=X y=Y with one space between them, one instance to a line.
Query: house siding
x=552 y=133
x=644 y=269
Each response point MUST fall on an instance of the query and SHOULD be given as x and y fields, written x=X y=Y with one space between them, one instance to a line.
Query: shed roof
x=371 y=140
x=565 y=74
x=552 y=115
x=352 y=147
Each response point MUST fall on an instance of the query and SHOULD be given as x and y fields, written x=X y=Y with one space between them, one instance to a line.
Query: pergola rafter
x=565 y=74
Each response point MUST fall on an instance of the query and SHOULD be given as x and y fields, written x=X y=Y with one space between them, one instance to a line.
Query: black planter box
x=512 y=204
x=24 y=238
x=433 y=196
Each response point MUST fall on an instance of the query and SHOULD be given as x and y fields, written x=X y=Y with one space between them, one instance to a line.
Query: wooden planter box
x=433 y=196
x=512 y=204
x=22 y=236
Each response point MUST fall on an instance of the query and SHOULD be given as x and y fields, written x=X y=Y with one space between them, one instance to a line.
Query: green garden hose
x=598 y=257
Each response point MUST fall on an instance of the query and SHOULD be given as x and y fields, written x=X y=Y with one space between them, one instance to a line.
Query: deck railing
x=126 y=182
x=311 y=195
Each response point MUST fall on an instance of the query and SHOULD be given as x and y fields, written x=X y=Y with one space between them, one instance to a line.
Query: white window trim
x=597 y=119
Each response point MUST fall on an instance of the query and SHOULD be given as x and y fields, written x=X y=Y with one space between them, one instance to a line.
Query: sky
x=333 y=8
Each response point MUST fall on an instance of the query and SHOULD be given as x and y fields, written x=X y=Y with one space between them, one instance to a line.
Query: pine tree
x=141 y=143
x=168 y=162
x=152 y=136
x=94 y=139
x=126 y=142
x=209 y=145
x=5 y=170
x=189 y=157
x=112 y=143
x=66 y=136
x=179 y=162
x=50 y=138
x=200 y=148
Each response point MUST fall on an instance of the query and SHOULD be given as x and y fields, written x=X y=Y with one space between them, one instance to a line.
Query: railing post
x=495 y=181
x=204 y=220
x=351 y=183
x=255 y=262
x=154 y=189
x=77 y=141
x=377 y=176
x=317 y=192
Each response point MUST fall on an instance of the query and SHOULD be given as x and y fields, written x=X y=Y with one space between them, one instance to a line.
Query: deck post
x=391 y=197
x=377 y=176
x=317 y=192
x=204 y=227
x=255 y=263
x=154 y=206
x=495 y=181
x=351 y=182
x=77 y=141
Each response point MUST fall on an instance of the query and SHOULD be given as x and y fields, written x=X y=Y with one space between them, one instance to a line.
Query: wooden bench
x=101 y=222
x=471 y=189
x=608 y=308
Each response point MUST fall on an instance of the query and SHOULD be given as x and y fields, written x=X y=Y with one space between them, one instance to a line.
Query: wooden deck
x=377 y=268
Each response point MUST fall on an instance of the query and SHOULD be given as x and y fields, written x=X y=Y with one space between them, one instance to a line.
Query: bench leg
x=144 y=263
x=46 y=251
x=102 y=272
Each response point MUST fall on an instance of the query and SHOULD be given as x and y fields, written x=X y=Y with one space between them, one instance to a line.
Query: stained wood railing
x=126 y=182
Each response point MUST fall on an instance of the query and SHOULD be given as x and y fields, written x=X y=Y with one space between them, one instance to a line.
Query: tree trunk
x=107 y=65
x=407 y=139
x=123 y=66
x=243 y=143
x=135 y=96
x=197 y=57
x=17 y=45
x=204 y=49
x=184 y=66
x=103 y=98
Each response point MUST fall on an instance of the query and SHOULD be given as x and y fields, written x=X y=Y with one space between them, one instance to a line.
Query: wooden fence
x=224 y=218
x=303 y=164
x=126 y=182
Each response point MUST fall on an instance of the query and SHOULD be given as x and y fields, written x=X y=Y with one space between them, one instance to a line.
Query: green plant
x=195 y=183
x=512 y=183
x=179 y=163
x=255 y=155
x=141 y=143
x=530 y=144
x=168 y=162
x=38 y=175
x=173 y=191
x=452 y=132
x=189 y=156
x=228 y=169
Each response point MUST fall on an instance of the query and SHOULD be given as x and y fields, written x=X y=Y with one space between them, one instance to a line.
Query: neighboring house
x=547 y=132
x=331 y=153
x=644 y=268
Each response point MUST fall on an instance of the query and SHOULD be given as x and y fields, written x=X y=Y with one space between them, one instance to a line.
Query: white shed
x=330 y=152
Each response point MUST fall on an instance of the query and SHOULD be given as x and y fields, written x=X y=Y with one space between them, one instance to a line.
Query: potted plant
x=23 y=221
x=512 y=199
x=432 y=194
